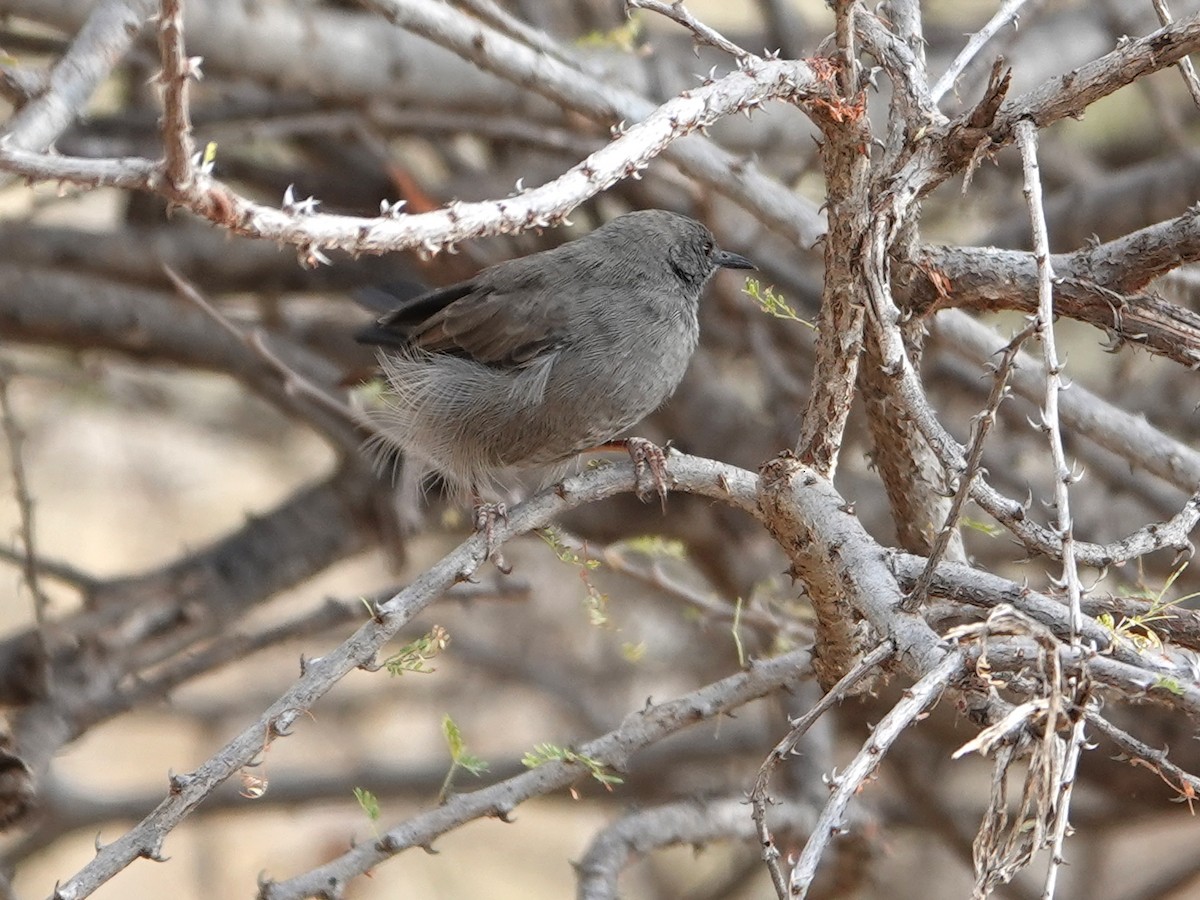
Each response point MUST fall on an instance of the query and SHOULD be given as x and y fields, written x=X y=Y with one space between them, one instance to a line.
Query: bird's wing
x=385 y=298
x=404 y=311
x=505 y=322
x=509 y=328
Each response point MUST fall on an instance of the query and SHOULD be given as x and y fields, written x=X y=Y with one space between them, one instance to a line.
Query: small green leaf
x=454 y=739
x=544 y=753
x=459 y=757
x=596 y=601
x=624 y=37
x=983 y=527
x=415 y=656
x=773 y=303
x=554 y=540
x=1169 y=684
x=368 y=802
x=656 y=546
x=541 y=754
x=472 y=763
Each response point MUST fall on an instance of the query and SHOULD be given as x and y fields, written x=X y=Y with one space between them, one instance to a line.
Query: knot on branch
x=783 y=467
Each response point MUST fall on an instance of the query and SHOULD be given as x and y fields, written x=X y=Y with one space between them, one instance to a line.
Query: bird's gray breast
x=623 y=358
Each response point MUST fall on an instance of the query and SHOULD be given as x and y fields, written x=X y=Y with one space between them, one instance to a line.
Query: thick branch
x=1096 y=285
x=298 y=223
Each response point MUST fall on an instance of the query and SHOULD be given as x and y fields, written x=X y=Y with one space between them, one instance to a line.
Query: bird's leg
x=648 y=459
x=486 y=517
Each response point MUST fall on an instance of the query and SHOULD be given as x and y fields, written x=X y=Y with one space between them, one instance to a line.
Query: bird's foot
x=486 y=517
x=649 y=464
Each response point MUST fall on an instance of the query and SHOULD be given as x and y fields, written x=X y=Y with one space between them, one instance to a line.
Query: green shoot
x=415 y=656
x=624 y=37
x=655 y=546
x=982 y=527
x=633 y=652
x=596 y=601
x=210 y=156
x=459 y=757
x=1169 y=684
x=1136 y=629
x=369 y=804
x=773 y=303
x=544 y=753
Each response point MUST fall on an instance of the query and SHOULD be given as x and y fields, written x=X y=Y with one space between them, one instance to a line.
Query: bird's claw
x=648 y=459
x=486 y=517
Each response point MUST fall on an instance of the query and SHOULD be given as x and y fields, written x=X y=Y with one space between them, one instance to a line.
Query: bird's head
x=687 y=247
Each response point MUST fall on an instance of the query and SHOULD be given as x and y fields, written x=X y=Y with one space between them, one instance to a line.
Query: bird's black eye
x=708 y=248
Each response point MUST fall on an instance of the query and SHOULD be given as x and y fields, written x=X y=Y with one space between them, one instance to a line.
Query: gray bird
x=537 y=359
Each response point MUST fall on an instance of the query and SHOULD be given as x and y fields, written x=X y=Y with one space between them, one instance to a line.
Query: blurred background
x=201 y=528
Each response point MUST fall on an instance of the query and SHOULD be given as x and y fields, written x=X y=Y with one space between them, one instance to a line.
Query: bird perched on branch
x=537 y=359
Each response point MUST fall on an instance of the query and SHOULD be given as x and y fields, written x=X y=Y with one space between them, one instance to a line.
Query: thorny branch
x=982 y=426
x=1063 y=478
x=848 y=783
x=15 y=440
x=297 y=221
x=1007 y=12
x=612 y=750
x=177 y=71
x=322 y=674
x=879 y=288
x=1186 y=69
x=677 y=12
x=759 y=796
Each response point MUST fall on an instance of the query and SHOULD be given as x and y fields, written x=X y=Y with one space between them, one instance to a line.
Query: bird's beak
x=726 y=260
